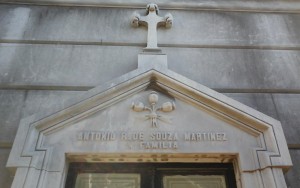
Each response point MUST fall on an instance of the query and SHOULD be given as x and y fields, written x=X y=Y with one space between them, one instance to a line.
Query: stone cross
x=152 y=21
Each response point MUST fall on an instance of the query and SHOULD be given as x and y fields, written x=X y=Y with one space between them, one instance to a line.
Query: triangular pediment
x=167 y=84
x=119 y=118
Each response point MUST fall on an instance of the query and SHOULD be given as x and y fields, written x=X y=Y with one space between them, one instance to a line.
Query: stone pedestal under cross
x=152 y=21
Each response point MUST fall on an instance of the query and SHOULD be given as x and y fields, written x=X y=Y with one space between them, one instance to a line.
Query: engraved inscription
x=135 y=136
x=96 y=136
x=204 y=136
x=153 y=140
x=159 y=145
x=163 y=136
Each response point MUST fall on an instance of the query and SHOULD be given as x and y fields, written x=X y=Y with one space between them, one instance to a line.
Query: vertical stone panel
x=11 y=106
x=5 y=177
x=292 y=177
x=288 y=107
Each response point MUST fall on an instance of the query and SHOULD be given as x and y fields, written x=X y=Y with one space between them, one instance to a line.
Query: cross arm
x=138 y=20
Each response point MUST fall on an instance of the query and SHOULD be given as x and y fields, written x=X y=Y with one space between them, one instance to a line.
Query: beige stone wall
x=248 y=51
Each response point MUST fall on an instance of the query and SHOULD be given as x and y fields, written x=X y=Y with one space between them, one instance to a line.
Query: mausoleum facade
x=126 y=95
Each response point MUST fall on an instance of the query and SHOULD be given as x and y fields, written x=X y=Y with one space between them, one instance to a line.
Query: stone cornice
x=280 y=6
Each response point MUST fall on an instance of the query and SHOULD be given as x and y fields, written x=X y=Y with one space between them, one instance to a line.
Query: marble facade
x=108 y=123
x=60 y=61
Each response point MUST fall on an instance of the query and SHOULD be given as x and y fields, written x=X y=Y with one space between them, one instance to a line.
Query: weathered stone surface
x=292 y=177
x=72 y=65
x=93 y=25
x=261 y=102
x=237 y=68
x=5 y=178
x=37 y=101
x=283 y=107
x=10 y=113
x=288 y=107
x=64 y=65
x=98 y=44
x=19 y=104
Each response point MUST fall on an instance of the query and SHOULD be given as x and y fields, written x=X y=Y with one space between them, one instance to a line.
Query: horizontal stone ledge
x=257 y=90
x=216 y=5
x=294 y=146
x=27 y=87
x=6 y=144
x=80 y=43
x=102 y=43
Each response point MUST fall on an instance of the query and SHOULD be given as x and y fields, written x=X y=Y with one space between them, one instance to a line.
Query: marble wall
x=49 y=53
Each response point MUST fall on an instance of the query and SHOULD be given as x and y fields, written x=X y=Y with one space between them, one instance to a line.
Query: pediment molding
x=29 y=152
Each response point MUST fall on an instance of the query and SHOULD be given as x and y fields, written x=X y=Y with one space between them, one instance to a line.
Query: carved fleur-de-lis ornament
x=153 y=115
